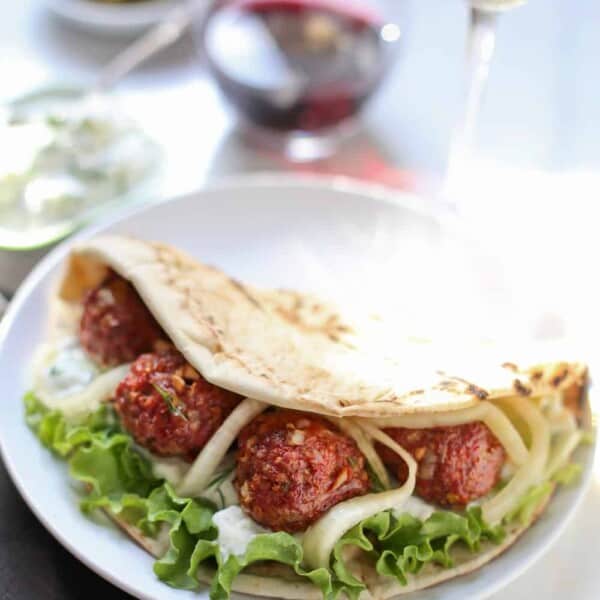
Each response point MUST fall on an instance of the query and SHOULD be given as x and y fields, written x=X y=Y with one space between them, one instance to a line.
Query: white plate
x=116 y=19
x=336 y=238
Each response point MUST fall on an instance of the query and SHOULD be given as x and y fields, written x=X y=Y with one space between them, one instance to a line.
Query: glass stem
x=480 y=50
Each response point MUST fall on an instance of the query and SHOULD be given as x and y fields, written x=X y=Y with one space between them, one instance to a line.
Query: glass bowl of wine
x=299 y=71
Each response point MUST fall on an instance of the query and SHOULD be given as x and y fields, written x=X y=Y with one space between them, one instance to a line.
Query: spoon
x=165 y=33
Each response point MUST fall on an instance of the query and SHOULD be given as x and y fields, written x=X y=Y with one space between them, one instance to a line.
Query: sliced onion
x=561 y=451
x=321 y=537
x=529 y=473
x=206 y=463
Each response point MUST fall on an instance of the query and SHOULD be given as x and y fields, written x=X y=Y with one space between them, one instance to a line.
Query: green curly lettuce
x=119 y=479
x=568 y=474
x=277 y=547
x=60 y=436
x=527 y=508
x=402 y=544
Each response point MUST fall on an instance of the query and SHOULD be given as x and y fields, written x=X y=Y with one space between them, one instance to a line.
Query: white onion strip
x=532 y=471
x=321 y=537
x=498 y=423
x=365 y=445
x=561 y=452
x=203 y=468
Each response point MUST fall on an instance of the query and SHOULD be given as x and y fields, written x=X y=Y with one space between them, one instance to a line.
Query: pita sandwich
x=256 y=440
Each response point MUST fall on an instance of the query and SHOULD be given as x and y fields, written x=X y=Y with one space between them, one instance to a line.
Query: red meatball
x=292 y=467
x=168 y=407
x=456 y=465
x=116 y=327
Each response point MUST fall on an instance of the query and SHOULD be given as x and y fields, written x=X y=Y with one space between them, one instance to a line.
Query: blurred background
x=492 y=116
x=530 y=169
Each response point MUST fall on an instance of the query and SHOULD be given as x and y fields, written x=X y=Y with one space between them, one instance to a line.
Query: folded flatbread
x=293 y=351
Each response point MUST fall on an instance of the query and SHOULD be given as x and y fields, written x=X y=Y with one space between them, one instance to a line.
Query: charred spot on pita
x=521 y=388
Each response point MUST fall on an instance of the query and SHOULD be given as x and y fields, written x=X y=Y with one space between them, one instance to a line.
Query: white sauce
x=66 y=370
x=236 y=531
x=65 y=379
x=67 y=157
x=417 y=508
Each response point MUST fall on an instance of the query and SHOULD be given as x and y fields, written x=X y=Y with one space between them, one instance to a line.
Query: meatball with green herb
x=168 y=407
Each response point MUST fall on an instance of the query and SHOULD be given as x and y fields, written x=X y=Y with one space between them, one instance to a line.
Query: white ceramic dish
x=336 y=238
x=118 y=19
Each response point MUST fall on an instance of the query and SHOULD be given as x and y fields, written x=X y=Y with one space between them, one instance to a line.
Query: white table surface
x=531 y=194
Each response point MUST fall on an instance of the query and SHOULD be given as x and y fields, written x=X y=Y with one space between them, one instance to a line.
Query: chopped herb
x=352 y=461
x=173 y=402
x=55 y=121
x=219 y=478
x=54 y=371
x=376 y=484
x=221 y=497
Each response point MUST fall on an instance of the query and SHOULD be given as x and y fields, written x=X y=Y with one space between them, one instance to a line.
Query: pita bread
x=292 y=350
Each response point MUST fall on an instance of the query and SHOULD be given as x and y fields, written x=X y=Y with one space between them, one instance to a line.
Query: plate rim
x=380 y=193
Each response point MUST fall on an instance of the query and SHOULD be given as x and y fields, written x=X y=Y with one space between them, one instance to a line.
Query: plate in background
x=113 y=18
x=341 y=239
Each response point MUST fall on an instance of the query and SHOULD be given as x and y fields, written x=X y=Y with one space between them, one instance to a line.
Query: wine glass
x=484 y=15
x=298 y=72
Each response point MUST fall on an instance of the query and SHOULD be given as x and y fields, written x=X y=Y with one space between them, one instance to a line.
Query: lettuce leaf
x=279 y=547
x=568 y=474
x=99 y=454
x=60 y=436
x=119 y=479
x=527 y=508
x=402 y=544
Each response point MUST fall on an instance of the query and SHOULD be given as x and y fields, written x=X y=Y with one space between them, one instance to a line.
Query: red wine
x=295 y=64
